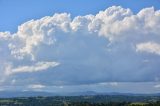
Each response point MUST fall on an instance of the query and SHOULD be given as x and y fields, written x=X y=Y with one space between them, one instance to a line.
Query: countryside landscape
x=90 y=100
x=79 y=52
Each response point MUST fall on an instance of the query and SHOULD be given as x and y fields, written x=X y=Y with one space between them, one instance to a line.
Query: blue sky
x=100 y=45
x=16 y=12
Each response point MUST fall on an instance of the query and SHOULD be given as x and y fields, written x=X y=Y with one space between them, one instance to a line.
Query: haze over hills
x=10 y=94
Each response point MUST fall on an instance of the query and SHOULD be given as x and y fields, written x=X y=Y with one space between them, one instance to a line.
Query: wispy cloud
x=157 y=86
x=149 y=47
x=36 y=86
x=40 y=66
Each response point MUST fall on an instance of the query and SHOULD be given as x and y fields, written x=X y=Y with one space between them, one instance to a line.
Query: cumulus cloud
x=32 y=34
x=105 y=47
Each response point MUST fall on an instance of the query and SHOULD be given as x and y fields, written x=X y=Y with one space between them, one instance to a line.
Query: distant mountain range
x=9 y=94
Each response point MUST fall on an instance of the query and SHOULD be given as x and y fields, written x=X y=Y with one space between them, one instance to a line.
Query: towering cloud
x=111 y=46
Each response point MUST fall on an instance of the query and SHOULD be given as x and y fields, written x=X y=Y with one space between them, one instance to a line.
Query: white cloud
x=108 y=83
x=157 y=86
x=61 y=87
x=105 y=47
x=149 y=47
x=36 y=86
x=36 y=32
x=40 y=66
x=114 y=84
x=115 y=23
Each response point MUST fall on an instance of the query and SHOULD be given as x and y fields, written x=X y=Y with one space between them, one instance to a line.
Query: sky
x=65 y=46
x=16 y=12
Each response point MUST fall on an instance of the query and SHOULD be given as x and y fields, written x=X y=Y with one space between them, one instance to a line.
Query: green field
x=99 y=100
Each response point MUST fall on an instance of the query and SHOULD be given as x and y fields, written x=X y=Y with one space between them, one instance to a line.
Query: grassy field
x=99 y=100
